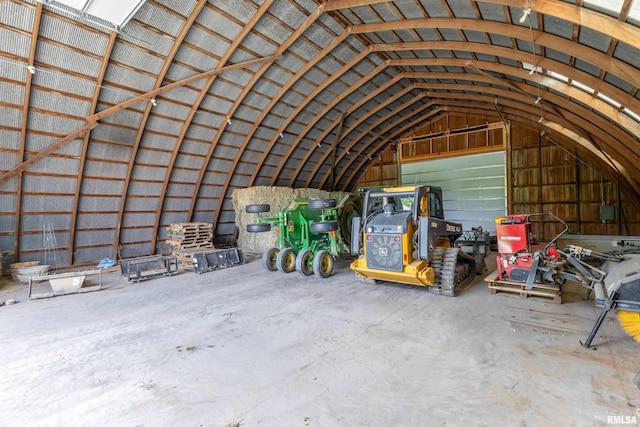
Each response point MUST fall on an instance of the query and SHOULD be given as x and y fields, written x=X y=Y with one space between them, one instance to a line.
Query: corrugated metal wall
x=473 y=187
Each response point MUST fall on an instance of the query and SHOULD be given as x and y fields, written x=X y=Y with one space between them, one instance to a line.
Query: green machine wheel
x=269 y=258
x=304 y=262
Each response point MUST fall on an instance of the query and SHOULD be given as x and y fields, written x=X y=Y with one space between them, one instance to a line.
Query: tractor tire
x=258 y=228
x=322 y=203
x=269 y=258
x=304 y=262
x=257 y=208
x=286 y=260
x=322 y=264
x=323 y=227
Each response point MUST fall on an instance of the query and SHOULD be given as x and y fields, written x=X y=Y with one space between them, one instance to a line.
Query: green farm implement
x=307 y=236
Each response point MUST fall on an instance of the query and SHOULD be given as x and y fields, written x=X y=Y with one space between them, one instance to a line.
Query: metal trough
x=65 y=283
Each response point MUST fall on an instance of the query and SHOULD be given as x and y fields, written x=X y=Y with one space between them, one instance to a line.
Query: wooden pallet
x=184 y=245
x=190 y=235
x=542 y=290
x=191 y=226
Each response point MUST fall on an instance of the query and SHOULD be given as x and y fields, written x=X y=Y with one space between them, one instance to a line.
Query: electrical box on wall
x=607 y=213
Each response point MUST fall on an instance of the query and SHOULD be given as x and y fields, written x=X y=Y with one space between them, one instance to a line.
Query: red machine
x=517 y=260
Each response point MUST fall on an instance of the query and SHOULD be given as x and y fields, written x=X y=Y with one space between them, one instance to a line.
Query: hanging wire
x=534 y=70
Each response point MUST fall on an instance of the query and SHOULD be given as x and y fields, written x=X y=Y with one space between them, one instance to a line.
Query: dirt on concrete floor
x=247 y=347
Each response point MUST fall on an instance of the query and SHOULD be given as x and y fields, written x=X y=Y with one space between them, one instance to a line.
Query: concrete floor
x=245 y=347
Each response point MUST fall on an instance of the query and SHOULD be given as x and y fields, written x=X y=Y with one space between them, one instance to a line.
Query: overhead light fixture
x=319 y=145
x=532 y=71
x=153 y=102
x=31 y=69
x=543 y=133
x=525 y=13
x=348 y=152
x=541 y=119
x=228 y=121
x=370 y=158
x=281 y=135
x=538 y=100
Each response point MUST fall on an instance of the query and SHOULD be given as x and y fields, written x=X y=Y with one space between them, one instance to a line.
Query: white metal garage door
x=473 y=187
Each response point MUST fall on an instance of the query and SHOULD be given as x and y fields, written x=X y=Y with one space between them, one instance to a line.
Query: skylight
x=115 y=12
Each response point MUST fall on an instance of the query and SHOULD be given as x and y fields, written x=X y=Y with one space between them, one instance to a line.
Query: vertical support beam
x=23 y=128
x=539 y=198
x=335 y=149
x=506 y=138
x=145 y=117
x=578 y=195
x=85 y=144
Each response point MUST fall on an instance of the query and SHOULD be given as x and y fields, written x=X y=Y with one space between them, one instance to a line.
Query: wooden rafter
x=145 y=117
x=353 y=126
x=23 y=128
x=387 y=118
x=397 y=126
x=516 y=55
x=567 y=123
x=318 y=89
x=329 y=107
x=578 y=15
x=237 y=41
x=602 y=136
x=597 y=58
x=92 y=121
x=245 y=92
x=85 y=144
x=335 y=123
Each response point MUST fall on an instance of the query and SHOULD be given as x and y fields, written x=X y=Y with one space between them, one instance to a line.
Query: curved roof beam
x=578 y=94
x=598 y=85
x=508 y=112
x=347 y=113
x=245 y=92
x=620 y=149
x=192 y=112
x=393 y=118
x=597 y=58
x=143 y=122
x=526 y=88
x=92 y=120
x=601 y=135
x=575 y=14
x=23 y=127
x=395 y=128
x=345 y=68
x=352 y=143
x=322 y=86
x=352 y=88
x=85 y=143
x=514 y=104
x=517 y=55
x=352 y=127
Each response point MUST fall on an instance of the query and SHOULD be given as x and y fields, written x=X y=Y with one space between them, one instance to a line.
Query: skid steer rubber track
x=454 y=270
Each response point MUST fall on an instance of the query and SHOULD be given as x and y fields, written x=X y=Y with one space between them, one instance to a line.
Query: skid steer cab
x=307 y=236
x=403 y=237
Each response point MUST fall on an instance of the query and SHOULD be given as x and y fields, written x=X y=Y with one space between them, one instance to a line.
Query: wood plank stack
x=189 y=235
